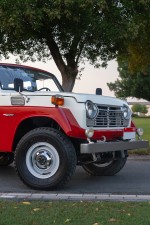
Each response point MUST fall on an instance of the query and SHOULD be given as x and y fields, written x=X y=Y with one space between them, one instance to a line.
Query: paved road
x=134 y=179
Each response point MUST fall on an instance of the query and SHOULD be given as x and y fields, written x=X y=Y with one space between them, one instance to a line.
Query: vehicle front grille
x=108 y=116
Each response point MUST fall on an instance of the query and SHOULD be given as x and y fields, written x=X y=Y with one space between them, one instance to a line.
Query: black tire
x=45 y=159
x=6 y=159
x=105 y=169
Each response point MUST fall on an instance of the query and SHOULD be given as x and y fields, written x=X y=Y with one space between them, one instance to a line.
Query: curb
x=74 y=197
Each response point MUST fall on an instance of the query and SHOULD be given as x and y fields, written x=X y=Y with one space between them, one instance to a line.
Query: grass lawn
x=74 y=213
x=145 y=124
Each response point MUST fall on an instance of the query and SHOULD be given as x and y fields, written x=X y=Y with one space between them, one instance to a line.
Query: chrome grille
x=108 y=116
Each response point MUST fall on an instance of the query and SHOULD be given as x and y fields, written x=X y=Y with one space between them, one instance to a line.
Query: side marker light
x=57 y=100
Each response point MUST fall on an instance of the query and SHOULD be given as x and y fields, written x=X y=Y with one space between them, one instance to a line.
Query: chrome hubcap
x=42 y=160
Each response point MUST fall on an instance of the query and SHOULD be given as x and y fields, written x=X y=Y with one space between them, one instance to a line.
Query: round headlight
x=126 y=112
x=91 y=109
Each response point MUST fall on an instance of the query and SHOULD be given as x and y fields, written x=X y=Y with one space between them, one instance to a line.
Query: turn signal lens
x=57 y=100
x=140 y=131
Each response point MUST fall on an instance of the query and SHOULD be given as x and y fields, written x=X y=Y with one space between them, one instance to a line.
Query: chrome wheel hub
x=42 y=160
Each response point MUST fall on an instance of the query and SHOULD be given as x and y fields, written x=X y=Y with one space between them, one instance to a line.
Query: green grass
x=74 y=213
x=145 y=124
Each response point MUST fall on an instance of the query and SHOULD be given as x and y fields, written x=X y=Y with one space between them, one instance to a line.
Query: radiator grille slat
x=108 y=116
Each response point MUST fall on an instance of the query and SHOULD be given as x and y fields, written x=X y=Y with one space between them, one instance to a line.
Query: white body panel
x=72 y=101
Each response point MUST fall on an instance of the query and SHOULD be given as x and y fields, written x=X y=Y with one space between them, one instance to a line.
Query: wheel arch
x=31 y=123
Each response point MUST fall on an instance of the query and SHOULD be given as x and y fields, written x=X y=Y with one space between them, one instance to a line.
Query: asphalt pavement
x=131 y=184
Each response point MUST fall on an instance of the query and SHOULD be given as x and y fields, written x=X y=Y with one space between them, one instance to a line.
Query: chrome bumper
x=92 y=147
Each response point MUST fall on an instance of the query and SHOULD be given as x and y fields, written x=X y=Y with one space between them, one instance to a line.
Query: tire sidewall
x=59 y=142
x=114 y=167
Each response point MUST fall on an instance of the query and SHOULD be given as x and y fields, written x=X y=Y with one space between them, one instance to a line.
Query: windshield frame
x=27 y=68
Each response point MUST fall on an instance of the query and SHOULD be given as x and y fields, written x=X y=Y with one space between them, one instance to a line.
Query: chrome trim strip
x=8 y=114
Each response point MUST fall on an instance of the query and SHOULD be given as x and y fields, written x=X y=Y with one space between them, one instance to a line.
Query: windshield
x=33 y=80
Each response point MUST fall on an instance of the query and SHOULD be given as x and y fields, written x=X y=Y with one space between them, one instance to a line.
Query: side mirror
x=98 y=91
x=18 y=85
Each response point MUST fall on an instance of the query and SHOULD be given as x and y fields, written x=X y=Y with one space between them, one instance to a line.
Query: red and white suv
x=47 y=131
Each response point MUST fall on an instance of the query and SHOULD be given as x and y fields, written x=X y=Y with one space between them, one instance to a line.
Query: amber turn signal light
x=57 y=100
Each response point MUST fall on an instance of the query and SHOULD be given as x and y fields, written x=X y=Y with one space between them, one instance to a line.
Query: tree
x=70 y=31
x=136 y=42
x=139 y=108
x=129 y=84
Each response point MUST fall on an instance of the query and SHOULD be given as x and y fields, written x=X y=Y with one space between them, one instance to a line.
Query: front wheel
x=45 y=159
x=106 y=167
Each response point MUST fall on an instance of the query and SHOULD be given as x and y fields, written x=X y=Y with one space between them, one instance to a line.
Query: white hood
x=81 y=97
x=99 y=99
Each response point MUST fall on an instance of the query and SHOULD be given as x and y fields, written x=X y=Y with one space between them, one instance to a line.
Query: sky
x=91 y=78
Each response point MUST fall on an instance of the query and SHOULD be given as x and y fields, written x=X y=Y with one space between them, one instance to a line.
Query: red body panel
x=9 y=124
x=78 y=132
x=22 y=66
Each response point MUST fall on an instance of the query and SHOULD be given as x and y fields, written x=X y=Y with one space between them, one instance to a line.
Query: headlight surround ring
x=91 y=109
x=126 y=112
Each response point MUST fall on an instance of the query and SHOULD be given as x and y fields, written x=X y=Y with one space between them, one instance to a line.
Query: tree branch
x=56 y=54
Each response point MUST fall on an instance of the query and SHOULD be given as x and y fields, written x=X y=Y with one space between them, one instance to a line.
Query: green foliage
x=139 y=108
x=78 y=28
x=72 y=31
x=68 y=31
x=136 y=45
x=131 y=84
x=136 y=42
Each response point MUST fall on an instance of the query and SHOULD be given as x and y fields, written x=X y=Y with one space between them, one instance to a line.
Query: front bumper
x=98 y=147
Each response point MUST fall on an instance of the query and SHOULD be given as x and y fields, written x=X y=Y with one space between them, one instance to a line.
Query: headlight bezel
x=91 y=109
x=126 y=112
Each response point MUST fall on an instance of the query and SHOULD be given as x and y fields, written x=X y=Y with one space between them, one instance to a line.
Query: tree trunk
x=68 y=70
x=68 y=82
x=68 y=78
